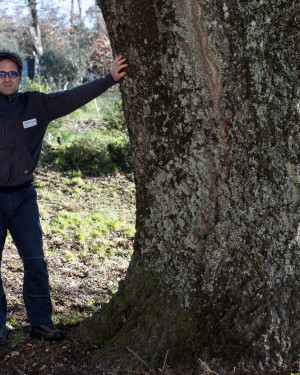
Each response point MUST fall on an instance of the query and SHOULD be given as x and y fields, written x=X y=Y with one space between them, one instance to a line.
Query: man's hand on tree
x=117 y=67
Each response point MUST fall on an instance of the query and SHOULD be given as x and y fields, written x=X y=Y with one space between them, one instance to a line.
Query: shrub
x=92 y=156
x=113 y=115
x=119 y=152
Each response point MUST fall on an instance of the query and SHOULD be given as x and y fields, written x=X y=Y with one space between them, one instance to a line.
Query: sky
x=66 y=4
x=63 y=5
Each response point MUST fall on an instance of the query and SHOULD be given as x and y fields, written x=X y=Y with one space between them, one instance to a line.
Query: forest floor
x=84 y=269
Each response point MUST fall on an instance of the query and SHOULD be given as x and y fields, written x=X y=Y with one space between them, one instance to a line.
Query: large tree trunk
x=210 y=101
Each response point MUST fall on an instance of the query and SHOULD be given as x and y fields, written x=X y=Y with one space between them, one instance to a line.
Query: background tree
x=14 y=26
x=72 y=14
x=210 y=101
x=68 y=47
x=34 y=28
x=101 y=57
x=76 y=17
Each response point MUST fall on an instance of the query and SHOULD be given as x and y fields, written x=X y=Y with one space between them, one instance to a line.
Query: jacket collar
x=8 y=98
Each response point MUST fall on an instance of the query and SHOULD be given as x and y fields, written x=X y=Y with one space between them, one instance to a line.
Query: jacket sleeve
x=62 y=103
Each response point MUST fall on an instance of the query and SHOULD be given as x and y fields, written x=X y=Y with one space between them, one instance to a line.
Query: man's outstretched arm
x=64 y=102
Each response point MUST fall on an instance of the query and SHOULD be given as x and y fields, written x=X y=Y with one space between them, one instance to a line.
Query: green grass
x=74 y=209
x=19 y=337
x=74 y=317
x=109 y=111
x=87 y=225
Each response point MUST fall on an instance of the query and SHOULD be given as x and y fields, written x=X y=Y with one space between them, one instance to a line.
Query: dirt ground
x=79 y=286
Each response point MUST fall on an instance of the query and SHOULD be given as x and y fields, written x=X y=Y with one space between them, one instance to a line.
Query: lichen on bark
x=211 y=104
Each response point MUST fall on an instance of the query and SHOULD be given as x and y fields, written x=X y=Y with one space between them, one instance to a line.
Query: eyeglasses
x=11 y=74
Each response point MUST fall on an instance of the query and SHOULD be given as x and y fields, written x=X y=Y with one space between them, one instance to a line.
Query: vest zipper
x=13 y=139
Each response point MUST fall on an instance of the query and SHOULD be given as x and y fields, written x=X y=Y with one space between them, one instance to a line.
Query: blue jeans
x=20 y=215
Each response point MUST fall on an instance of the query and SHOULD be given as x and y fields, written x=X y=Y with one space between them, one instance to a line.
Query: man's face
x=9 y=86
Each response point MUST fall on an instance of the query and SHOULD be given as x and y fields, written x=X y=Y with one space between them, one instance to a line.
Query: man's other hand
x=118 y=65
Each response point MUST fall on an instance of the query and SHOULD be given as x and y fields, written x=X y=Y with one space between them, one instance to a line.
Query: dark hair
x=14 y=57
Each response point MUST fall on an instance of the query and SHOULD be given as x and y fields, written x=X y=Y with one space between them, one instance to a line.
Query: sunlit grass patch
x=86 y=216
x=74 y=317
x=87 y=225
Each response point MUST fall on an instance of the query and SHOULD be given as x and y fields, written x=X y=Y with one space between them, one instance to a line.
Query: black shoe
x=3 y=334
x=47 y=332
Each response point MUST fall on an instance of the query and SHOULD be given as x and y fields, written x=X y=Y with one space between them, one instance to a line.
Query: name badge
x=29 y=123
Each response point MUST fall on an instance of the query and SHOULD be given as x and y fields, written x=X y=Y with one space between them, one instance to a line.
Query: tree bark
x=210 y=101
x=79 y=13
x=34 y=29
x=72 y=15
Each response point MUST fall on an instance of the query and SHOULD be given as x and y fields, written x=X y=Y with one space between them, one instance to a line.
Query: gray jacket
x=24 y=118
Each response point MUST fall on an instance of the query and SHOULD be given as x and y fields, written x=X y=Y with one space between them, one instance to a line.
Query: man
x=24 y=118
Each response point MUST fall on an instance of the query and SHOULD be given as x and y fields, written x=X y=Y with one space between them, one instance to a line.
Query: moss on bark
x=144 y=318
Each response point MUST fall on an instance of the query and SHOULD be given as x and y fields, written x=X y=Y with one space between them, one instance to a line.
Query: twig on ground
x=131 y=351
x=164 y=365
x=207 y=370
x=99 y=360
